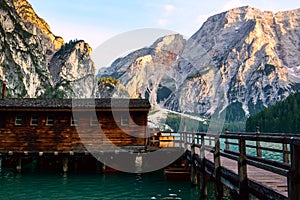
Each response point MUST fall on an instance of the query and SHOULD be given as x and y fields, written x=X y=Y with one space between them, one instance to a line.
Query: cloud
x=163 y=22
x=169 y=8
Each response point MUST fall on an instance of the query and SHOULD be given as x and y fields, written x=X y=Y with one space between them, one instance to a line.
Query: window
x=34 y=120
x=124 y=120
x=74 y=121
x=19 y=120
x=50 y=120
x=94 y=121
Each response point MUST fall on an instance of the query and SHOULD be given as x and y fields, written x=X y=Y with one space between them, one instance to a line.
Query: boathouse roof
x=58 y=103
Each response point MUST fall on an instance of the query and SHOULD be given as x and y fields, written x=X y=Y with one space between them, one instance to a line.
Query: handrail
x=289 y=167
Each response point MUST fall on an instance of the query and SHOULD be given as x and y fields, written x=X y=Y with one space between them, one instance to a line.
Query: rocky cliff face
x=244 y=58
x=150 y=72
x=34 y=22
x=252 y=57
x=72 y=69
x=27 y=53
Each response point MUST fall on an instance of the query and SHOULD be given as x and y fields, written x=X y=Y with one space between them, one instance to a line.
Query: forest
x=282 y=117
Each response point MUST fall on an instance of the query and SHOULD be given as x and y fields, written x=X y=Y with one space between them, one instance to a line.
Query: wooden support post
x=294 y=173
x=193 y=137
x=185 y=136
x=203 y=186
x=285 y=154
x=217 y=161
x=258 y=149
x=98 y=166
x=103 y=168
x=242 y=169
x=65 y=163
x=147 y=136
x=198 y=138
x=180 y=140
x=75 y=164
x=40 y=163
x=185 y=140
x=226 y=140
x=194 y=178
x=19 y=165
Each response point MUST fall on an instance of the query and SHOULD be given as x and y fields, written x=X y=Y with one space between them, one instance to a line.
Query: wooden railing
x=246 y=149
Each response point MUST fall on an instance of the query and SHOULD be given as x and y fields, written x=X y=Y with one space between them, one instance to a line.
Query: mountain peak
x=173 y=43
x=244 y=59
x=27 y=14
x=30 y=52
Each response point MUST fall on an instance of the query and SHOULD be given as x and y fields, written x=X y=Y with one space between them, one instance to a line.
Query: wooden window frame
x=74 y=121
x=51 y=120
x=94 y=121
x=18 y=119
x=125 y=120
x=34 y=118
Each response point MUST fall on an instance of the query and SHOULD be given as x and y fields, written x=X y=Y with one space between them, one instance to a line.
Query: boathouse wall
x=28 y=129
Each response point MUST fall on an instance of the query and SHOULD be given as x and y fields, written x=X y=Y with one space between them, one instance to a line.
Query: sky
x=96 y=21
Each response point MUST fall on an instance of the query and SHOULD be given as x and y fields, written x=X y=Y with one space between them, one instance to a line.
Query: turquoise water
x=33 y=184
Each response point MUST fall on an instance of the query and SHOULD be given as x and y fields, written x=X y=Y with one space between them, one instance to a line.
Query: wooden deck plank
x=271 y=180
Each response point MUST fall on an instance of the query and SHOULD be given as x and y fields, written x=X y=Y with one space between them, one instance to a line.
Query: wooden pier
x=238 y=161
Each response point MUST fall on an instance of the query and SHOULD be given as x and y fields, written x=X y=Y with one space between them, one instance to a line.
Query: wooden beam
x=294 y=174
x=258 y=149
x=285 y=154
x=203 y=186
x=217 y=174
x=19 y=165
x=242 y=170
x=226 y=140
x=194 y=178
x=65 y=163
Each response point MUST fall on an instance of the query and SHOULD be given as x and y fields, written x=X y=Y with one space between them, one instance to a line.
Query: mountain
x=239 y=61
x=149 y=72
x=37 y=63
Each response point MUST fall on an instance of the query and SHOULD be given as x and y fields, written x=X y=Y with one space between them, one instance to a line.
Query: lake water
x=33 y=184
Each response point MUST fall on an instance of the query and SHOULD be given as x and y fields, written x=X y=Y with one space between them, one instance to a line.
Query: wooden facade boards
x=49 y=125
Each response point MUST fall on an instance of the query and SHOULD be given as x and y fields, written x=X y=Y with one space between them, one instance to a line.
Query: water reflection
x=91 y=185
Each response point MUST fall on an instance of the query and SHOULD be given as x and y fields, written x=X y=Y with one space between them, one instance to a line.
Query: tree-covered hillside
x=283 y=117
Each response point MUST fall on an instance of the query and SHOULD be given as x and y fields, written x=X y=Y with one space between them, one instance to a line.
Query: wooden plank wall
x=64 y=137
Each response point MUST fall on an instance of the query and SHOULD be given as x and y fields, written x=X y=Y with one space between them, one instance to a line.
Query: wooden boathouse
x=65 y=127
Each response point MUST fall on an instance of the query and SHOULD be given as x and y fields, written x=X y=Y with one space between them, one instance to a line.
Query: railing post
x=203 y=187
x=185 y=140
x=198 y=139
x=185 y=136
x=242 y=169
x=258 y=149
x=217 y=161
x=194 y=179
x=194 y=135
x=226 y=140
x=294 y=173
x=180 y=139
x=284 y=153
